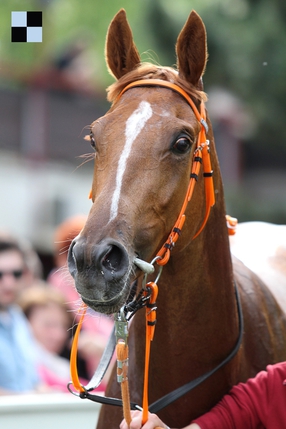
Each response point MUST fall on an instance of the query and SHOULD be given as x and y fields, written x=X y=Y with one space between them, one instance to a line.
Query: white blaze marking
x=134 y=125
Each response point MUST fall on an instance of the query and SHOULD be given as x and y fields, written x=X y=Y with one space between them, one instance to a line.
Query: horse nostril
x=113 y=261
x=108 y=258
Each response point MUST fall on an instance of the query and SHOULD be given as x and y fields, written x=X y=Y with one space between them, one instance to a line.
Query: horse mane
x=151 y=71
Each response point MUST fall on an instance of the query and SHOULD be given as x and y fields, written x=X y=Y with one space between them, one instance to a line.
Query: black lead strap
x=106 y=400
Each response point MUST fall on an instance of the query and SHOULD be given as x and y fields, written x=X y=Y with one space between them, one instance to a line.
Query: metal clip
x=146 y=267
x=121 y=326
x=144 y=281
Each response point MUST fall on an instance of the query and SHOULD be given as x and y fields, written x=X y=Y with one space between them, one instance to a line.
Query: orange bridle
x=201 y=156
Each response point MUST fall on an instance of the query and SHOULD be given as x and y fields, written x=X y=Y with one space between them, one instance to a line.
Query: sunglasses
x=17 y=274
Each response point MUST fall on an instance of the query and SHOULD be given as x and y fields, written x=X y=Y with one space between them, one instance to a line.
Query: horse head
x=144 y=149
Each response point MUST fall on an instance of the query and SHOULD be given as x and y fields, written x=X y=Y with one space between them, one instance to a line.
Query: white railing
x=47 y=411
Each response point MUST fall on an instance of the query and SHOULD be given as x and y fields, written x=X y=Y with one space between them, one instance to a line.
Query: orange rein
x=73 y=357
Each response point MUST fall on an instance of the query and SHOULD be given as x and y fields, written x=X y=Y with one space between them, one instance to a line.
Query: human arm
x=252 y=404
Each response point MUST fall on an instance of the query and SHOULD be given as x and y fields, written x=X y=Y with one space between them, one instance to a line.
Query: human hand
x=153 y=422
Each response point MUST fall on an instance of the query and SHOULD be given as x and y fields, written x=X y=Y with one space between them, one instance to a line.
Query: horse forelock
x=151 y=71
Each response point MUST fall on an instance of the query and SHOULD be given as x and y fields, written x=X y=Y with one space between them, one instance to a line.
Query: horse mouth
x=110 y=306
x=102 y=300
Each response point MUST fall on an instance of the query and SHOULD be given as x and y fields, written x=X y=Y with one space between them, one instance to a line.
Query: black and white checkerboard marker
x=26 y=26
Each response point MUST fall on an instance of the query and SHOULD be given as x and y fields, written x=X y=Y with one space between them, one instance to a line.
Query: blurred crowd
x=38 y=318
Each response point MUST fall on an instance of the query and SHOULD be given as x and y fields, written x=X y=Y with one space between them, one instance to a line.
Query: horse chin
x=107 y=304
x=107 y=308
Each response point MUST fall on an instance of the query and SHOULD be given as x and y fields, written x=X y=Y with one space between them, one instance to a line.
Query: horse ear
x=191 y=49
x=120 y=51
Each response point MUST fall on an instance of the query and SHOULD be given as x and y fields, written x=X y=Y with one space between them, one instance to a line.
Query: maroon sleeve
x=245 y=407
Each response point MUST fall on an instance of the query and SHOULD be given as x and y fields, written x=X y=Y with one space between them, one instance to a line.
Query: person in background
x=60 y=277
x=33 y=265
x=96 y=327
x=50 y=321
x=260 y=403
x=18 y=372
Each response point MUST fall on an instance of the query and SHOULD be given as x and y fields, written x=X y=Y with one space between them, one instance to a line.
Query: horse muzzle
x=101 y=273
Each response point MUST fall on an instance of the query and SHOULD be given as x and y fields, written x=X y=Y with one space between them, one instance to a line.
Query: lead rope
x=121 y=333
x=150 y=292
x=122 y=378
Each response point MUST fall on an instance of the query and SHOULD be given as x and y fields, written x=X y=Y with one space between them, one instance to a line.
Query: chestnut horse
x=144 y=151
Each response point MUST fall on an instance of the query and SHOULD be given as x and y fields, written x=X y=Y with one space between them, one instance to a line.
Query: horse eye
x=182 y=145
x=92 y=141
